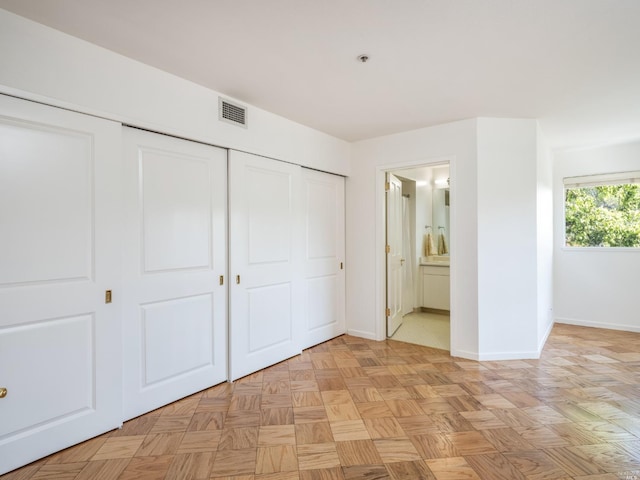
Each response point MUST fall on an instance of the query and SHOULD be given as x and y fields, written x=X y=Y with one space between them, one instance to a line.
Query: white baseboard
x=464 y=354
x=589 y=323
x=509 y=356
x=361 y=334
x=499 y=355
x=545 y=338
x=526 y=355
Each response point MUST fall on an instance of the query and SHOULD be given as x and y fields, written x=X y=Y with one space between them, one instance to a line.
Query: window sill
x=601 y=249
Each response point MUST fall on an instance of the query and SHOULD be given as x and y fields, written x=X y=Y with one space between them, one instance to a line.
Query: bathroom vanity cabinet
x=435 y=286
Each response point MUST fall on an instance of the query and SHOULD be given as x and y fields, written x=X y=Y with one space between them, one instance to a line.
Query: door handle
x=402 y=261
x=3 y=392
x=238 y=279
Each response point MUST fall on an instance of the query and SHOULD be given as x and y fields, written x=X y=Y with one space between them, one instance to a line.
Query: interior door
x=265 y=254
x=394 y=254
x=60 y=343
x=324 y=242
x=174 y=265
x=407 y=256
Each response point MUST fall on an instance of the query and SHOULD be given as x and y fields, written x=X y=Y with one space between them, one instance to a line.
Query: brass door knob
x=3 y=392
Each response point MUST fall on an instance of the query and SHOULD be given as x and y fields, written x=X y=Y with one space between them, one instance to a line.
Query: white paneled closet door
x=175 y=313
x=60 y=343
x=266 y=301
x=324 y=246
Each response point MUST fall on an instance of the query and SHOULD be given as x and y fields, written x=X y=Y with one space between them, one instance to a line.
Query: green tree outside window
x=603 y=216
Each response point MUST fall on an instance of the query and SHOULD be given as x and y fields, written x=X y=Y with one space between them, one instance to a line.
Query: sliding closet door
x=60 y=342
x=265 y=255
x=174 y=262
x=324 y=242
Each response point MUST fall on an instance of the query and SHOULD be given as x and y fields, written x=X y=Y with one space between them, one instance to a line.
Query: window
x=602 y=210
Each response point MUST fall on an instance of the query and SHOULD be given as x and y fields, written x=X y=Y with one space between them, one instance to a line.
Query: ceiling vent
x=232 y=112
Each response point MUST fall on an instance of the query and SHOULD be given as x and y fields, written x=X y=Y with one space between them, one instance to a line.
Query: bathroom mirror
x=440 y=215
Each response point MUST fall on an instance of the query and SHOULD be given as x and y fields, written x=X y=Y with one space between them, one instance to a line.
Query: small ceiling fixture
x=363 y=58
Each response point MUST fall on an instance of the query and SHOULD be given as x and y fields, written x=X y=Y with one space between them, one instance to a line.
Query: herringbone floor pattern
x=357 y=409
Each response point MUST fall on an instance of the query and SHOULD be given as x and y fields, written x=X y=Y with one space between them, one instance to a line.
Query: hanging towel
x=442 y=245
x=429 y=248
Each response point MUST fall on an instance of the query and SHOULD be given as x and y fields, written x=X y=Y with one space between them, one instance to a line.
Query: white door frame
x=380 y=255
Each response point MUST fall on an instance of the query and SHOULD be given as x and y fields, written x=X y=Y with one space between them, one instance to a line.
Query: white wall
x=507 y=238
x=455 y=142
x=595 y=287
x=46 y=65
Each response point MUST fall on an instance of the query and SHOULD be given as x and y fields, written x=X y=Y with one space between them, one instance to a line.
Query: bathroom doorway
x=417 y=236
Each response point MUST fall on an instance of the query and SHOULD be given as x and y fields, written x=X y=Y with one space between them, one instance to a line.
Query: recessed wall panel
x=46 y=204
x=321 y=301
x=48 y=379
x=177 y=337
x=269 y=216
x=269 y=316
x=176 y=211
x=321 y=220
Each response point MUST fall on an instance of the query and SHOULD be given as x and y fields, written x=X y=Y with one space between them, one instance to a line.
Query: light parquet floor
x=425 y=328
x=356 y=409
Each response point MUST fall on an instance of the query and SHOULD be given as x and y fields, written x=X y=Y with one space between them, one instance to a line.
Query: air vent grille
x=232 y=113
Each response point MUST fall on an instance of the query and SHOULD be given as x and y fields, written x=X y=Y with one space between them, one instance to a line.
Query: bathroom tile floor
x=358 y=409
x=425 y=328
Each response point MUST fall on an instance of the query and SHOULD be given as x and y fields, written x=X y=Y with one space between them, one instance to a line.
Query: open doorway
x=417 y=234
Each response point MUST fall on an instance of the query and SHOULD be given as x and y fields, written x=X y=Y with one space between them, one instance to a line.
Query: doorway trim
x=380 y=255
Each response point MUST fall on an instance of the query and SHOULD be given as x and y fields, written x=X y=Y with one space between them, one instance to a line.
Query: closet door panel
x=177 y=337
x=60 y=343
x=176 y=204
x=174 y=255
x=264 y=304
x=265 y=253
x=51 y=179
x=323 y=266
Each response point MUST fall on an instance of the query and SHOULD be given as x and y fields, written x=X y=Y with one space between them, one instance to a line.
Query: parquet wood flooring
x=356 y=409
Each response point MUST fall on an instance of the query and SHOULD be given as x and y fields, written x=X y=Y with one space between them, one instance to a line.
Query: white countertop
x=435 y=261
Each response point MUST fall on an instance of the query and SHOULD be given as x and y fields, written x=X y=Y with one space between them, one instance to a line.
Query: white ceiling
x=573 y=64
